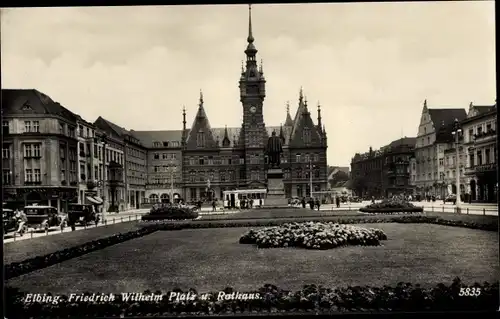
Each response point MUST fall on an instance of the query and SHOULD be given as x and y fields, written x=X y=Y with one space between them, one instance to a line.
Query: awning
x=95 y=200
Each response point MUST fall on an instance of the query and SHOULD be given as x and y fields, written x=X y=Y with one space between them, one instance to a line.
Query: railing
x=480 y=137
x=485 y=167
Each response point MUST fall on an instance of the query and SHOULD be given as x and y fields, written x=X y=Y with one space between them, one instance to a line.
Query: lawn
x=28 y=248
x=212 y=259
x=280 y=213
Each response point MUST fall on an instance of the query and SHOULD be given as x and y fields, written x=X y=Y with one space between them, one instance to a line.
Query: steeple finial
x=201 y=98
x=261 y=68
x=301 y=94
x=288 y=107
x=250 y=38
x=425 y=103
x=184 y=117
x=319 y=116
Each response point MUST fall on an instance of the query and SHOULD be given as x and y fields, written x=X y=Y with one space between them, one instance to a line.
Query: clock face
x=253 y=109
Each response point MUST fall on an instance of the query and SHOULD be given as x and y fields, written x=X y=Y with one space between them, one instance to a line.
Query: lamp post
x=171 y=169
x=103 y=179
x=311 y=178
x=457 y=130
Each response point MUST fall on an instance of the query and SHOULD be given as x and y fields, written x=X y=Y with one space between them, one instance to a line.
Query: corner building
x=232 y=158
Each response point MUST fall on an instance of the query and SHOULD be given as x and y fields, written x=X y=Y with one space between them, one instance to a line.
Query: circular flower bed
x=171 y=213
x=313 y=235
x=391 y=206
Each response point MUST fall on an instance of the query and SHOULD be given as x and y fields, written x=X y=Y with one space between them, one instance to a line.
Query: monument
x=275 y=186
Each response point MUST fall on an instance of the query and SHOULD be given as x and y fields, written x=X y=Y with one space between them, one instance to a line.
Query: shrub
x=271 y=299
x=171 y=212
x=312 y=235
x=391 y=206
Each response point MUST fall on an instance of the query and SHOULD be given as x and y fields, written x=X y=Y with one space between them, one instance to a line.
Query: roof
x=479 y=111
x=118 y=129
x=446 y=116
x=31 y=101
x=147 y=138
x=403 y=142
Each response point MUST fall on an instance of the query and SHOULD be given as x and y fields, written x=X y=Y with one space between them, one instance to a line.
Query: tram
x=233 y=198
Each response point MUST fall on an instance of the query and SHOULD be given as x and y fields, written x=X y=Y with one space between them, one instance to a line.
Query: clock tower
x=252 y=94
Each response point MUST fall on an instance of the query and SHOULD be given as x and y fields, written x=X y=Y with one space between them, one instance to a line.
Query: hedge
x=271 y=299
x=391 y=210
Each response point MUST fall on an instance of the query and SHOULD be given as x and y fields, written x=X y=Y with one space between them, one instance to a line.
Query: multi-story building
x=385 y=172
x=164 y=164
x=480 y=146
x=87 y=154
x=134 y=162
x=433 y=138
x=39 y=155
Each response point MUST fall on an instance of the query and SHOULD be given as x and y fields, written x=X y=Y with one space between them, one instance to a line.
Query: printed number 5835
x=469 y=292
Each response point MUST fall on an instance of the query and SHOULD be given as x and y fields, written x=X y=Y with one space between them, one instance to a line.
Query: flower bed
x=390 y=206
x=171 y=213
x=312 y=235
x=271 y=299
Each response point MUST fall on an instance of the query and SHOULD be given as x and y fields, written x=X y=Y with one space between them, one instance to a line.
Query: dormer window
x=200 y=139
x=307 y=135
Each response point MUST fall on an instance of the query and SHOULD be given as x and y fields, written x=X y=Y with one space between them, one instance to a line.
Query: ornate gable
x=201 y=136
x=304 y=133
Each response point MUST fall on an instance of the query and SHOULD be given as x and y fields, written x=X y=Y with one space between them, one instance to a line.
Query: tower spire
x=250 y=38
x=184 y=117
x=201 y=98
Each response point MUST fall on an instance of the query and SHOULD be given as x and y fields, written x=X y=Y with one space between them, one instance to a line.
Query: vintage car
x=82 y=214
x=13 y=222
x=44 y=217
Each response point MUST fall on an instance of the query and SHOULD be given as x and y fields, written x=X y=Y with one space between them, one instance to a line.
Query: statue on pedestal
x=274 y=149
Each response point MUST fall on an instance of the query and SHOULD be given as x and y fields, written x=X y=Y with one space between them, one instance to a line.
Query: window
x=201 y=161
x=297 y=158
x=6 y=177
x=210 y=160
x=71 y=131
x=27 y=126
x=192 y=161
x=307 y=158
x=200 y=139
x=96 y=172
x=487 y=156
x=307 y=135
x=61 y=128
x=6 y=151
x=192 y=176
x=153 y=198
x=88 y=132
x=37 y=175
x=479 y=158
x=36 y=150
x=242 y=161
x=316 y=173
x=156 y=169
x=222 y=176
x=36 y=126
x=479 y=130
x=5 y=127
x=255 y=175
x=80 y=130
x=28 y=175
x=27 y=150
x=471 y=135
x=299 y=173
x=192 y=193
x=441 y=161
x=428 y=140
x=156 y=156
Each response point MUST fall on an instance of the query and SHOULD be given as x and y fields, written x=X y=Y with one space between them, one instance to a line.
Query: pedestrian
x=337 y=200
x=303 y=202
x=260 y=202
x=318 y=203
x=213 y=205
x=311 y=203
x=251 y=203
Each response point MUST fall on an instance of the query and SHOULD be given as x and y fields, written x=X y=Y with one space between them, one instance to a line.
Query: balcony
x=469 y=171
x=486 y=168
x=485 y=136
x=31 y=183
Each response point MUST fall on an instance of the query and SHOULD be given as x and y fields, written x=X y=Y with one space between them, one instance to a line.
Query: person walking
x=303 y=202
x=318 y=204
x=337 y=200
x=213 y=205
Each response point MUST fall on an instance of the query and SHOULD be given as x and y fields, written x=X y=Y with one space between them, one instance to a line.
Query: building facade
x=480 y=147
x=433 y=138
x=385 y=172
x=40 y=150
x=194 y=163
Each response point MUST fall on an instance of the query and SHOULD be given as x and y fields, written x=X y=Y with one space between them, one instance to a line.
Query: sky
x=369 y=65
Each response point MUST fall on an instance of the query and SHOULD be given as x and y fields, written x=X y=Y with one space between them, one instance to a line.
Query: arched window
x=153 y=198
x=164 y=198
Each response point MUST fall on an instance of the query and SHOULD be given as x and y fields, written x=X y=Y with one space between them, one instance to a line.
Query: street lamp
x=457 y=130
x=311 y=168
x=171 y=168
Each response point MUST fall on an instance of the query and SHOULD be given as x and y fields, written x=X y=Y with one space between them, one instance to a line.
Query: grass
x=279 y=213
x=212 y=259
x=28 y=248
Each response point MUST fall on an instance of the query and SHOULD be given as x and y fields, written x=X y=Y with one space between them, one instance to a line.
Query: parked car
x=451 y=199
x=13 y=222
x=44 y=217
x=82 y=214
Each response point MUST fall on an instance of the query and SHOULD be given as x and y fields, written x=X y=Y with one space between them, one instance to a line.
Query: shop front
x=58 y=197
x=484 y=187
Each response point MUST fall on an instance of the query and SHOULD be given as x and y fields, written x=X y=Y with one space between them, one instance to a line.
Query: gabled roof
x=201 y=124
x=404 y=141
x=120 y=131
x=31 y=101
x=302 y=120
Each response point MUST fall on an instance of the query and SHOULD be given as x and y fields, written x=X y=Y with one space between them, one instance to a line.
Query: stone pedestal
x=276 y=189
